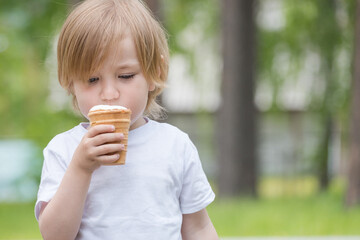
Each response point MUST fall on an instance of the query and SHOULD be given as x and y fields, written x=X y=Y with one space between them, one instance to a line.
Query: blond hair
x=93 y=28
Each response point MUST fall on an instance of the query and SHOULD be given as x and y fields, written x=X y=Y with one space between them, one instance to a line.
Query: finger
x=107 y=138
x=106 y=159
x=98 y=129
x=107 y=149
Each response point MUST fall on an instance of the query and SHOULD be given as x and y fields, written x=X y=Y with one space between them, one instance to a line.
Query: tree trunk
x=353 y=191
x=323 y=153
x=237 y=115
x=327 y=49
x=326 y=119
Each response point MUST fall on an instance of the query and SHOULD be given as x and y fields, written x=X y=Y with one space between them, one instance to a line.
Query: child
x=114 y=52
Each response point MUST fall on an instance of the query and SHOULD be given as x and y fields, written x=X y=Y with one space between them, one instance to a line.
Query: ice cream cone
x=117 y=116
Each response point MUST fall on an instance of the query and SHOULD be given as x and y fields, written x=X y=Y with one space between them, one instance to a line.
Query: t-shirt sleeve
x=52 y=173
x=196 y=191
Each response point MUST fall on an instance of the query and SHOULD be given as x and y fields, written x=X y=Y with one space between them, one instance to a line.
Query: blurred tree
x=237 y=115
x=316 y=31
x=28 y=29
x=326 y=41
x=353 y=191
x=25 y=31
x=155 y=6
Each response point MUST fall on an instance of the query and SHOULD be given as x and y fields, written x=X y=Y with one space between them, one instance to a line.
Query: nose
x=109 y=92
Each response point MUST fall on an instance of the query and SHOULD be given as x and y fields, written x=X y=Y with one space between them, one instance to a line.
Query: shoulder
x=166 y=127
x=175 y=139
x=169 y=132
x=66 y=139
x=58 y=153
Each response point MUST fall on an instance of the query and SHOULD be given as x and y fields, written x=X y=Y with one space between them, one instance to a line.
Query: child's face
x=119 y=81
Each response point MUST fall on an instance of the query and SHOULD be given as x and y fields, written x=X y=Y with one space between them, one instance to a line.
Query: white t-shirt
x=143 y=199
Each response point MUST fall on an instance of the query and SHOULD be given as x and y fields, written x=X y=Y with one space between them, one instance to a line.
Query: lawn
x=292 y=213
x=320 y=215
x=17 y=221
x=287 y=207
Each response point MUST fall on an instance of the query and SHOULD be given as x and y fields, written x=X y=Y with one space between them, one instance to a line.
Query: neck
x=138 y=123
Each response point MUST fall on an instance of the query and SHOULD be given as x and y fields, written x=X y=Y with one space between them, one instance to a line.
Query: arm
x=61 y=217
x=198 y=226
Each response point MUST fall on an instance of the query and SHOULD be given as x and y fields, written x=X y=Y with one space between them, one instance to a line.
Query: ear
x=151 y=86
x=70 y=89
x=162 y=62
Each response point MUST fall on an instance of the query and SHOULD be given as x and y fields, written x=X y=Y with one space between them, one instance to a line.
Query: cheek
x=84 y=100
x=83 y=106
x=137 y=100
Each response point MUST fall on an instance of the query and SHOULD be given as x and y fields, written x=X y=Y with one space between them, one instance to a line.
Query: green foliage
x=322 y=28
x=28 y=27
x=180 y=14
x=198 y=18
x=316 y=38
x=26 y=33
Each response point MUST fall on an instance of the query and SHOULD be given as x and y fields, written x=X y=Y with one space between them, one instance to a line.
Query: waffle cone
x=120 y=119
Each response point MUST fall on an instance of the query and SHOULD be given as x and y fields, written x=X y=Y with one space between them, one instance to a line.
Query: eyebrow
x=127 y=65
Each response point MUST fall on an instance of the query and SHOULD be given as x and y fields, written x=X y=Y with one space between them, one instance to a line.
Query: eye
x=93 y=79
x=126 y=76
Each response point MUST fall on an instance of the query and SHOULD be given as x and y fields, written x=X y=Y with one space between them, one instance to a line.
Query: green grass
x=17 y=221
x=320 y=215
x=291 y=207
x=280 y=210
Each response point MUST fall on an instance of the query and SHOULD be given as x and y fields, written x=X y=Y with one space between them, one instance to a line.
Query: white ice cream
x=107 y=107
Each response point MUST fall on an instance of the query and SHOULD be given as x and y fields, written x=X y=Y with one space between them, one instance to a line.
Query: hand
x=98 y=146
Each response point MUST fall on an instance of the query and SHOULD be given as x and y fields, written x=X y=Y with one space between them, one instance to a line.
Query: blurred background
x=268 y=90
